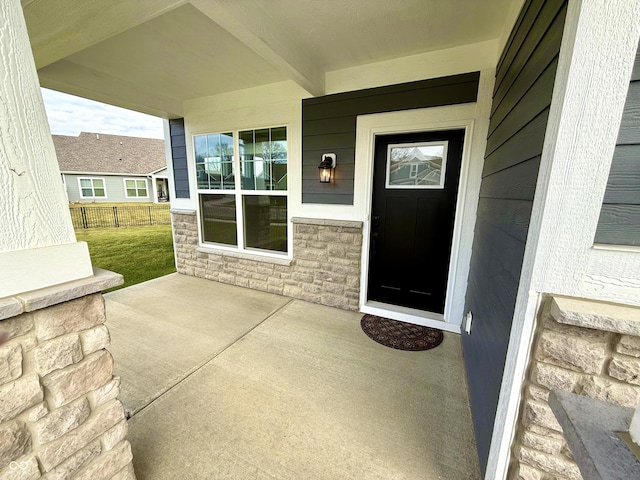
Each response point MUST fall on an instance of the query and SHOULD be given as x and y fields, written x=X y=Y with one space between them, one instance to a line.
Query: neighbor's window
x=135 y=188
x=92 y=188
x=251 y=214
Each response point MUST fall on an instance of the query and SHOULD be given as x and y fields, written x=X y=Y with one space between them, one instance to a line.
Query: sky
x=69 y=115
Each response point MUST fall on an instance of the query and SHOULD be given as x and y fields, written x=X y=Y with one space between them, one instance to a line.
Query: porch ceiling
x=151 y=55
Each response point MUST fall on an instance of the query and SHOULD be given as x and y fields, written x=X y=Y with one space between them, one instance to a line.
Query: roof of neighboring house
x=100 y=153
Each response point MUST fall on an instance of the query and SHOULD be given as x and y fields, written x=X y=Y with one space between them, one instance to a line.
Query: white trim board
x=35 y=268
x=474 y=118
x=596 y=59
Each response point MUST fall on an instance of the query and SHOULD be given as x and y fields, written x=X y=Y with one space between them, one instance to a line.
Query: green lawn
x=137 y=253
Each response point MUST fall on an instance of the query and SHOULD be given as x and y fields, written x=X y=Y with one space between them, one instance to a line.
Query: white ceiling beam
x=256 y=29
x=68 y=77
x=59 y=28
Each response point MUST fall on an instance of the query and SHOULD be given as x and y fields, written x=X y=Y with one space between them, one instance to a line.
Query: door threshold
x=409 y=315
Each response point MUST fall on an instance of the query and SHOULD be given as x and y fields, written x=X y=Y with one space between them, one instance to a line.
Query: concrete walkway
x=224 y=382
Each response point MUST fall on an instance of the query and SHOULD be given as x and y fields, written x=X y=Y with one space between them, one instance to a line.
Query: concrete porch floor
x=224 y=382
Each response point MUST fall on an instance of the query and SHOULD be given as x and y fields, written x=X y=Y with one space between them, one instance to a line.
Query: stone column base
x=584 y=347
x=59 y=415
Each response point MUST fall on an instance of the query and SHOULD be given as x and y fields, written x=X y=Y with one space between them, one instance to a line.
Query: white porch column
x=38 y=247
x=599 y=44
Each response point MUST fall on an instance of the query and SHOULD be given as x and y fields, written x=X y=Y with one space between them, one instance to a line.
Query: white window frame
x=239 y=193
x=134 y=179
x=93 y=188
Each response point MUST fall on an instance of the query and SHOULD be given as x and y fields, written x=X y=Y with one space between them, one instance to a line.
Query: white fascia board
x=82 y=81
x=441 y=63
x=104 y=173
x=157 y=170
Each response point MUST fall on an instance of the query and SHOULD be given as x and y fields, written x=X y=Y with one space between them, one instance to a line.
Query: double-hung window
x=242 y=189
x=135 y=188
x=92 y=188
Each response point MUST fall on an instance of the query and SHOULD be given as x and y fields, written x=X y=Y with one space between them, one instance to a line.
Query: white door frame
x=474 y=119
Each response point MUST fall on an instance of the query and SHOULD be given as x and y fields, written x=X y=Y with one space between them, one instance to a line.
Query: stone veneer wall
x=566 y=355
x=59 y=415
x=325 y=267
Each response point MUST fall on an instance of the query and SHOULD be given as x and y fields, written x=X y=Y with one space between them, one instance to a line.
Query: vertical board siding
x=521 y=102
x=179 y=156
x=329 y=126
x=619 y=222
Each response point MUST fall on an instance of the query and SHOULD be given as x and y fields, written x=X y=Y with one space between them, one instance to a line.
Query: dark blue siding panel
x=177 y=141
x=179 y=156
x=178 y=152
x=524 y=86
x=176 y=126
x=492 y=310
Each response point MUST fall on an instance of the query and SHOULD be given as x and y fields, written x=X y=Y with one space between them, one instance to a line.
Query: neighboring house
x=538 y=200
x=96 y=167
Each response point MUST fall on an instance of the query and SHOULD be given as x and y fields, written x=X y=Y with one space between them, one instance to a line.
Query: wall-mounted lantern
x=326 y=167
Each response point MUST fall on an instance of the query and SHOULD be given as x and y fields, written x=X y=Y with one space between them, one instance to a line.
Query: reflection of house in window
x=214 y=161
x=263 y=157
x=212 y=165
x=415 y=165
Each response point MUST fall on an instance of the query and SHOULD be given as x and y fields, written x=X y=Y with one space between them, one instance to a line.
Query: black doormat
x=400 y=335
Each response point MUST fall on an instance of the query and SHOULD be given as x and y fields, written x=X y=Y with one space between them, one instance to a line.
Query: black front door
x=415 y=186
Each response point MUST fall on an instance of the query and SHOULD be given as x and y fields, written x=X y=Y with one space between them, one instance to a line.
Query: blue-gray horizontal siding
x=521 y=101
x=114 y=185
x=619 y=222
x=329 y=126
x=179 y=156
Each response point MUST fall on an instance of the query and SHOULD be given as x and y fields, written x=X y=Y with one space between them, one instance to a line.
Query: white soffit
x=152 y=55
x=182 y=51
x=347 y=33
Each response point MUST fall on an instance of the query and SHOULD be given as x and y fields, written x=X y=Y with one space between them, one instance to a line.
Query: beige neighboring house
x=112 y=168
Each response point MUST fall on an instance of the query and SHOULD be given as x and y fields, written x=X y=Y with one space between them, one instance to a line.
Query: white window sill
x=616 y=248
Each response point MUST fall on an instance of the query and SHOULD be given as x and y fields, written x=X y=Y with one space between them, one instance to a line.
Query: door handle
x=374 y=241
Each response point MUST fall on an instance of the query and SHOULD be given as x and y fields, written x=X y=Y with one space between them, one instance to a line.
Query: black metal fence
x=104 y=217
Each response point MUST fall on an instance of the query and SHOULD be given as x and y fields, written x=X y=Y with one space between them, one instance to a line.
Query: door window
x=417 y=165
